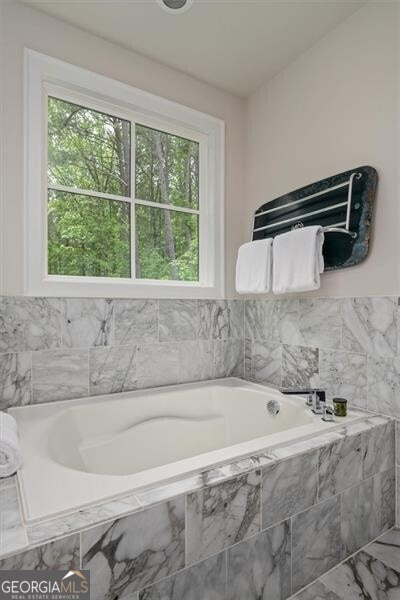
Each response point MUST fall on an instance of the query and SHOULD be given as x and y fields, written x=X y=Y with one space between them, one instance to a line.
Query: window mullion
x=192 y=211
x=133 y=192
x=82 y=192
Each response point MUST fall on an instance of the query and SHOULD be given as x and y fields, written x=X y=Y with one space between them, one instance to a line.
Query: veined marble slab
x=178 y=320
x=136 y=321
x=228 y=358
x=41 y=532
x=157 y=364
x=372 y=573
x=197 y=482
x=112 y=370
x=266 y=362
x=204 y=581
x=87 y=322
x=344 y=374
x=379 y=449
x=299 y=367
x=340 y=465
x=61 y=554
x=369 y=325
x=316 y=591
x=12 y=532
x=361 y=518
x=387 y=549
x=196 y=360
x=60 y=375
x=316 y=542
x=384 y=385
x=136 y=551
x=221 y=319
x=288 y=487
x=364 y=576
x=15 y=379
x=29 y=323
x=285 y=451
x=262 y=320
x=398 y=443
x=220 y=515
x=261 y=566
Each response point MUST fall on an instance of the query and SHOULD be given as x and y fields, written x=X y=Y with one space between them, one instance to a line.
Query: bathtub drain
x=273 y=407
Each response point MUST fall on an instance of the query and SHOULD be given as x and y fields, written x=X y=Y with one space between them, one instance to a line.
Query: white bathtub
x=81 y=452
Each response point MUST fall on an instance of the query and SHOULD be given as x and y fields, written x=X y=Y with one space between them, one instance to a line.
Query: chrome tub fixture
x=316 y=400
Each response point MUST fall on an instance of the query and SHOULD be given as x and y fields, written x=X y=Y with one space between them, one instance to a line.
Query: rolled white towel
x=10 y=451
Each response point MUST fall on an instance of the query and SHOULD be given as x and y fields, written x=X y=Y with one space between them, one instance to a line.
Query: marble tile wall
x=264 y=533
x=349 y=346
x=52 y=348
x=56 y=349
x=398 y=473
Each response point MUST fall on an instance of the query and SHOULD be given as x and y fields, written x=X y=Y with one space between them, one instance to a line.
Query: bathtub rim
x=258 y=448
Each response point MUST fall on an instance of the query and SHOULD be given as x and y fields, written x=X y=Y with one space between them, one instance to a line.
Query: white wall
x=336 y=107
x=332 y=109
x=26 y=27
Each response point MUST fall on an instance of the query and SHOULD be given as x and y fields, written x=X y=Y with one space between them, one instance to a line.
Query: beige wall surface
x=1 y=157
x=336 y=107
x=26 y=27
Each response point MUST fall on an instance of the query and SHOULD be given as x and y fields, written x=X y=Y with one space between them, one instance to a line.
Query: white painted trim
x=171 y=207
x=79 y=192
x=45 y=75
x=132 y=207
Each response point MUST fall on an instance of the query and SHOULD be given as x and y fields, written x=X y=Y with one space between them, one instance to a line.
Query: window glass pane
x=87 y=149
x=88 y=236
x=167 y=244
x=167 y=168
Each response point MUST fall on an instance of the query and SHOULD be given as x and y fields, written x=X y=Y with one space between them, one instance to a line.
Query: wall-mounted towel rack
x=341 y=205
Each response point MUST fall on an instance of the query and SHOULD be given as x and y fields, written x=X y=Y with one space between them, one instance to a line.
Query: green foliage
x=88 y=149
x=88 y=236
x=180 y=165
x=154 y=262
x=91 y=236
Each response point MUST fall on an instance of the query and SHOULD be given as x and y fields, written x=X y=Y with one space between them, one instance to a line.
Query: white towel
x=298 y=260
x=254 y=267
x=10 y=452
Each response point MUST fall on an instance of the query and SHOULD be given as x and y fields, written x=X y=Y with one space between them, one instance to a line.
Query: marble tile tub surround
x=62 y=348
x=53 y=348
x=242 y=530
x=398 y=473
x=350 y=346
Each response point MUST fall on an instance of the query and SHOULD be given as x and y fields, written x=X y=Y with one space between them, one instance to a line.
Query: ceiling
x=234 y=44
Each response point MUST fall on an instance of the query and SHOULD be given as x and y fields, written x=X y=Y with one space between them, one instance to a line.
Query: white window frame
x=48 y=76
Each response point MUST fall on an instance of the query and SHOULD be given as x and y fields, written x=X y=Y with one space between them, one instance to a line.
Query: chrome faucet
x=316 y=400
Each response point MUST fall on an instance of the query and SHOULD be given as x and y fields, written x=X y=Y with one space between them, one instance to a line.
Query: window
x=129 y=201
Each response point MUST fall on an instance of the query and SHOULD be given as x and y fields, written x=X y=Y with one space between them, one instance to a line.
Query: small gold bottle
x=340 y=407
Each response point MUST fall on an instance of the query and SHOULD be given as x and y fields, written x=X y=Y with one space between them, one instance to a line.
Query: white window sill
x=111 y=288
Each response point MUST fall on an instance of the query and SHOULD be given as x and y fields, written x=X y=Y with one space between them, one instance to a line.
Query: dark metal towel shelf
x=341 y=205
